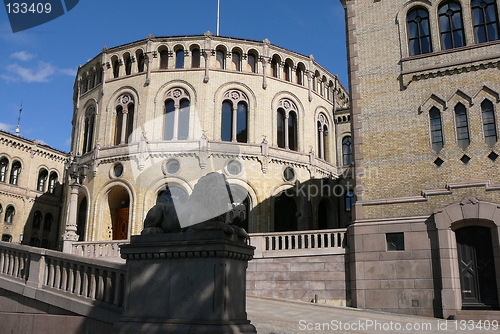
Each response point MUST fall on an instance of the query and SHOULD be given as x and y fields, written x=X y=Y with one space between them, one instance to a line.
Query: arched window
x=462 y=126
x=287 y=124
x=275 y=65
x=128 y=63
x=485 y=20
x=81 y=219
x=9 y=214
x=450 y=25
x=99 y=73
x=84 y=83
x=179 y=58
x=116 y=66
x=489 y=124
x=42 y=179
x=177 y=109
x=436 y=128
x=419 y=32
x=195 y=58
x=14 y=173
x=287 y=69
x=252 y=62
x=91 y=78
x=163 y=58
x=6 y=237
x=4 y=166
x=124 y=119
x=347 y=151
x=236 y=60
x=299 y=74
x=88 y=134
x=322 y=124
x=141 y=60
x=47 y=223
x=220 y=57
x=234 y=116
x=52 y=182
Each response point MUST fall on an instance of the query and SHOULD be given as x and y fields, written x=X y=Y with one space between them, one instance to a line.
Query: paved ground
x=271 y=316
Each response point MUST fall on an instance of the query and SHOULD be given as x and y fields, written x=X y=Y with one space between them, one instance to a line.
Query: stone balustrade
x=299 y=243
x=56 y=278
x=106 y=250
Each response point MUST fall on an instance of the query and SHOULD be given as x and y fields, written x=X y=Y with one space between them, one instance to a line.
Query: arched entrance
x=285 y=210
x=119 y=202
x=81 y=220
x=477 y=268
x=323 y=214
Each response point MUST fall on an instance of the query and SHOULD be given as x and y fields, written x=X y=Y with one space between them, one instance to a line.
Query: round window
x=118 y=170
x=234 y=167
x=173 y=166
x=289 y=174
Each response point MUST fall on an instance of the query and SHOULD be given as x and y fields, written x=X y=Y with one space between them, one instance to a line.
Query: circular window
x=289 y=174
x=173 y=166
x=118 y=170
x=234 y=167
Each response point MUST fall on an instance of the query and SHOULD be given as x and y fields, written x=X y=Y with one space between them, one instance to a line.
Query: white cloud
x=6 y=127
x=22 y=55
x=68 y=71
x=40 y=74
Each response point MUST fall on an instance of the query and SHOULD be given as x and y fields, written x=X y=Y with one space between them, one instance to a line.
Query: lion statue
x=210 y=207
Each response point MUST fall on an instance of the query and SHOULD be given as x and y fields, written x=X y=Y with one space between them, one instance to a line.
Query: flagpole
x=218 y=17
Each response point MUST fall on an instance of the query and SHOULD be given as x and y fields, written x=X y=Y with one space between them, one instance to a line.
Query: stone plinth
x=186 y=283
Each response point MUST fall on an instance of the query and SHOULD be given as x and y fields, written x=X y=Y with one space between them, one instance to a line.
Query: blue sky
x=39 y=65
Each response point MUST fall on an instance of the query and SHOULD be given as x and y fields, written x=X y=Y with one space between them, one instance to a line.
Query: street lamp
x=78 y=172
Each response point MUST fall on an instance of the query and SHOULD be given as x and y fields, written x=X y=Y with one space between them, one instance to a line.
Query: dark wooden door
x=120 y=228
x=477 y=268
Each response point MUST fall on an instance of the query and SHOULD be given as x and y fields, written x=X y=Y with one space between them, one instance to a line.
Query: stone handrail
x=299 y=243
x=107 y=250
x=56 y=278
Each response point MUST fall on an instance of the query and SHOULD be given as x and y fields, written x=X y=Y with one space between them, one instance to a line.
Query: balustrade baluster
x=11 y=263
x=71 y=277
x=118 y=289
x=100 y=285
x=108 y=291
x=93 y=285
x=2 y=260
x=85 y=281
x=57 y=280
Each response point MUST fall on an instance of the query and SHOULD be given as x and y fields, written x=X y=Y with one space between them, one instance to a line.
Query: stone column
x=193 y=282
x=70 y=235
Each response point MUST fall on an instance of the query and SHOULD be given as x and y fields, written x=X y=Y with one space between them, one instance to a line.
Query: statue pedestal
x=186 y=283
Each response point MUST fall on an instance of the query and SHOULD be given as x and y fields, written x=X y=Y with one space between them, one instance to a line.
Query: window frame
x=444 y=14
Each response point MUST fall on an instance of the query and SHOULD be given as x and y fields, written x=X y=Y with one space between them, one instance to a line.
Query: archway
x=324 y=214
x=285 y=213
x=81 y=220
x=118 y=203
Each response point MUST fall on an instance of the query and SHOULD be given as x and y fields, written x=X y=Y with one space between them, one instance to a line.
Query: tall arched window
x=287 y=124
x=287 y=70
x=43 y=174
x=14 y=173
x=9 y=214
x=451 y=25
x=47 y=223
x=52 y=182
x=179 y=58
x=124 y=119
x=116 y=66
x=88 y=134
x=323 y=128
x=220 y=59
x=252 y=62
x=419 y=32
x=347 y=151
x=172 y=195
x=436 y=129
x=141 y=60
x=299 y=74
x=4 y=166
x=462 y=126
x=195 y=58
x=163 y=58
x=234 y=116
x=236 y=60
x=489 y=124
x=485 y=20
x=177 y=109
x=128 y=63
x=275 y=63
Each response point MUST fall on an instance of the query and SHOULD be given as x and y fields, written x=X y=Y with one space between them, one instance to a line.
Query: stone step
x=478 y=315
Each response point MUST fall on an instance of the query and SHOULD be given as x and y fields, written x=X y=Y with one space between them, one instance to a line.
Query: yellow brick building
x=425 y=114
